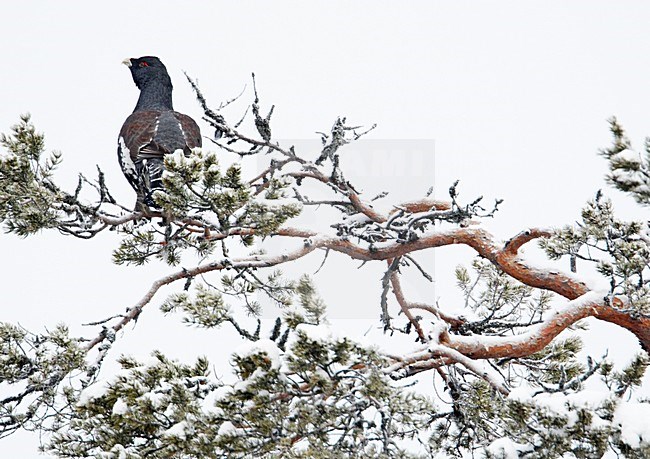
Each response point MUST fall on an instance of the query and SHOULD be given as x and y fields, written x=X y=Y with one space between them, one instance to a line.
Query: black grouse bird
x=153 y=130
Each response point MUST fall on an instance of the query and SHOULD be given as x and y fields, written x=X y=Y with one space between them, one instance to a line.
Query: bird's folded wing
x=138 y=133
x=190 y=130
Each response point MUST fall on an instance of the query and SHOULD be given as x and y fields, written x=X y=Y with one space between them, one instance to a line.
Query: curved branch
x=422 y=205
x=405 y=306
x=249 y=262
x=474 y=367
x=508 y=261
x=115 y=221
x=364 y=208
x=481 y=241
x=488 y=347
x=453 y=321
x=513 y=245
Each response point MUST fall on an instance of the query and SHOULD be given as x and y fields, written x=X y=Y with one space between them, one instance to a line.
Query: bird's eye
x=143 y=64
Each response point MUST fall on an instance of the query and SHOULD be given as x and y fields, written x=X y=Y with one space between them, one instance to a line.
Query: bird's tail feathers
x=150 y=170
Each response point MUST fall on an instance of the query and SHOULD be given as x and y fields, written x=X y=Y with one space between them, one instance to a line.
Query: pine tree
x=508 y=383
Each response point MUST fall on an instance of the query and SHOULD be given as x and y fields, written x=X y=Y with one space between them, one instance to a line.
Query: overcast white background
x=515 y=95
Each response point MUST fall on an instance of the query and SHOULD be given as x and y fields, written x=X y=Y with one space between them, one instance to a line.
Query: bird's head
x=147 y=69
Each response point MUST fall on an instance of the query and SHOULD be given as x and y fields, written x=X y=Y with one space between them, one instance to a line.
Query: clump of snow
x=594 y=281
x=265 y=346
x=242 y=386
x=506 y=448
x=630 y=178
x=120 y=407
x=556 y=404
x=322 y=332
x=177 y=430
x=120 y=450
x=560 y=404
x=92 y=392
x=627 y=155
x=522 y=394
x=6 y=155
x=589 y=399
x=157 y=399
x=357 y=218
x=236 y=215
x=226 y=428
x=178 y=157
x=209 y=401
x=645 y=189
x=634 y=420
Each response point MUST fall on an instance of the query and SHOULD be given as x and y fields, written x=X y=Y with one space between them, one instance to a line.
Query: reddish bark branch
x=482 y=242
x=422 y=205
x=513 y=245
x=488 y=347
x=507 y=260
x=365 y=209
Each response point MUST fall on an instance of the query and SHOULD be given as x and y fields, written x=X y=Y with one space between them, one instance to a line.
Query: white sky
x=515 y=95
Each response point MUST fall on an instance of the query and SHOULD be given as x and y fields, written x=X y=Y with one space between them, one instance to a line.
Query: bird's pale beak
x=127 y=62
